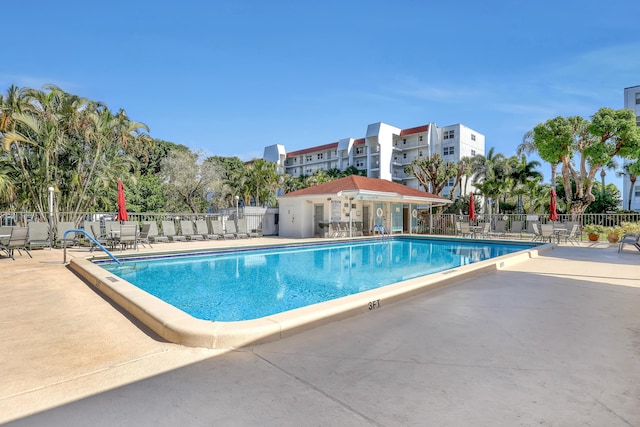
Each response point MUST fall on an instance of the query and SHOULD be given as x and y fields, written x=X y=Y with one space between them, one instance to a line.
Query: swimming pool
x=244 y=285
x=175 y=325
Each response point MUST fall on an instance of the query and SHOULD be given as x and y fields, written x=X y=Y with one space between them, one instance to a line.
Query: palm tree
x=490 y=174
x=628 y=170
x=522 y=172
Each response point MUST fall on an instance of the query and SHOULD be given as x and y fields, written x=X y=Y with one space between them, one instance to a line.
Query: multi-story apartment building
x=383 y=153
x=632 y=102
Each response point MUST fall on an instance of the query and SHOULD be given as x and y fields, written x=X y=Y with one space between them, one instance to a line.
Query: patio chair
x=571 y=235
x=17 y=240
x=216 y=226
x=537 y=234
x=546 y=232
x=203 y=229
x=169 y=230
x=128 y=236
x=238 y=234
x=186 y=227
x=38 y=235
x=62 y=228
x=465 y=229
x=154 y=236
x=629 y=239
x=485 y=230
x=143 y=236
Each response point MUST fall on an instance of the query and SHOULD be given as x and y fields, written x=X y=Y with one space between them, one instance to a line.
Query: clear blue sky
x=231 y=77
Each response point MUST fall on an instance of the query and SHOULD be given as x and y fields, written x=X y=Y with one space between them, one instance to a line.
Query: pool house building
x=354 y=206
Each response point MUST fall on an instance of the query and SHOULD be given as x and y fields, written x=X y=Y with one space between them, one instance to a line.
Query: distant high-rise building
x=383 y=153
x=632 y=102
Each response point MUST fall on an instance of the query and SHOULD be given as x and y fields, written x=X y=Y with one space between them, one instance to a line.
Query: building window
x=448 y=151
x=449 y=183
x=473 y=137
x=404 y=140
x=448 y=134
x=420 y=153
x=309 y=158
x=420 y=138
x=359 y=150
x=473 y=153
x=320 y=156
x=637 y=98
x=636 y=192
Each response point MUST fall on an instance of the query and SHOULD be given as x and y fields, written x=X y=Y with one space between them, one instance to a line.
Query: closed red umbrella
x=472 y=208
x=553 y=214
x=122 y=203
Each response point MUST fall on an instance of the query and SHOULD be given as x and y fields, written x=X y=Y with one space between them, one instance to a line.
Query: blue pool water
x=248 y=284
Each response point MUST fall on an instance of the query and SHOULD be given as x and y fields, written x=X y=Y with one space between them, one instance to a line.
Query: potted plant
x=593 y=231
x=613 y=233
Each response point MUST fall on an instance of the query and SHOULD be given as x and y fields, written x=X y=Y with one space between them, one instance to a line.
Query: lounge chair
x=516 y=229
x=154 y=236
x=242 y=228
x=500 y=230
x=62 y=228
x=216 y=226
x=203 y=230
x=38 y=235
x=238 y=234
x=143 y=236
x=546 y=232
x=186 y=227
x=629 y=239
x=169 y=230
x=17 y=240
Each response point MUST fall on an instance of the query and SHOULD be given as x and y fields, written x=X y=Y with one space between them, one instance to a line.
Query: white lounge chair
x=154 y=234
x=186 y=228
x=169 y=230
x=38 y=235
x=203 y=229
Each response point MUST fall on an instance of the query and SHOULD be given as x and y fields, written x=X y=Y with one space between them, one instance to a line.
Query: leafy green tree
x=433 y=173
x=582 y=147
x=187 y=180
x=606 y=201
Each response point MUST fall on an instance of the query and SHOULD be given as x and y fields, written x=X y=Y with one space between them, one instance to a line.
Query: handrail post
x=90 y=237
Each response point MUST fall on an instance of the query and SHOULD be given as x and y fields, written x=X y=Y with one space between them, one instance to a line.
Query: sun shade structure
x=353 y=202
x=122 y=203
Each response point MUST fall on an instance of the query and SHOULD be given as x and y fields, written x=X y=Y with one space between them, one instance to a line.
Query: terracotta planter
x=594 y=237
x=613 y=238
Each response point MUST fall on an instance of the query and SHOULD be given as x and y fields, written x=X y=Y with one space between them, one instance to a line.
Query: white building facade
x=631 y=196
x=384 y=152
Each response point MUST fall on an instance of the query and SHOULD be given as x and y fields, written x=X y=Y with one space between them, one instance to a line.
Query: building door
x=318 y=217
x=396 y=218
x=366 y=221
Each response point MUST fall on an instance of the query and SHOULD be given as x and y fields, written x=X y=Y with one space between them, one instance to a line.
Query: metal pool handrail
x=90 y=237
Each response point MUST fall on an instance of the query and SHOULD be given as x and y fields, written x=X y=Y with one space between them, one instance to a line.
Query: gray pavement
x=552 y=341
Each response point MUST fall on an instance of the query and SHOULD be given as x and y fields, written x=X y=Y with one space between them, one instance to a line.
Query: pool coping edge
x=178 y=327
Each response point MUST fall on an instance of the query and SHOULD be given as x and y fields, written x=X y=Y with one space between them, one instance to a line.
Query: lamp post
x=237 y=209
x=51 y=190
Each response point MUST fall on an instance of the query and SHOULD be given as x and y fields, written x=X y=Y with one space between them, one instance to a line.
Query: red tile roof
x=332 y=146
x=412 y=131
x=355 y=183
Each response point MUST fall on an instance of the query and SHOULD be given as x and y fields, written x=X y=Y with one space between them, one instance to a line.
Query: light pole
x=237 y=209
x=51 y=190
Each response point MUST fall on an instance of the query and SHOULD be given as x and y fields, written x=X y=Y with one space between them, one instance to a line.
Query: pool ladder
x=90 y=237
x=381 y=229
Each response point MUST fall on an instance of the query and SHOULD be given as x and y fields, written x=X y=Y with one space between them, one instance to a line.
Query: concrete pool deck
x=552 y=340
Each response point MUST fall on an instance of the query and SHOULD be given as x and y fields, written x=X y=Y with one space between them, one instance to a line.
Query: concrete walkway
x=551 y=341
